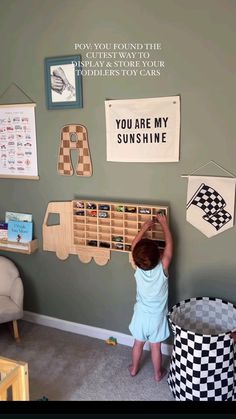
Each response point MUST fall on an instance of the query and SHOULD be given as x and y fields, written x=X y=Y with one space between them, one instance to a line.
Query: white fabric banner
x=210 y=203
x=143 y=130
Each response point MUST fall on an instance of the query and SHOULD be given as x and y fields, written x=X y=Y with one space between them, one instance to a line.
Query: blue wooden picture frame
x=63 y=82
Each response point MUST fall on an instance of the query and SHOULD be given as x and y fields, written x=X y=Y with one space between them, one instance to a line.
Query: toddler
x=149 y=321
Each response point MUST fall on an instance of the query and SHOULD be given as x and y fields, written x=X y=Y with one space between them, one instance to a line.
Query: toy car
x=145 y=211
x=104 y=207
x=92 y=213
x=130 y=209
x=90 y=205
x=79 y=213
x=92 y=243
x=104 y=244
x=111 y=341
x=117 y=239
x=79 y=204
x=120 y=208
x=103 y=215
x=119 y=246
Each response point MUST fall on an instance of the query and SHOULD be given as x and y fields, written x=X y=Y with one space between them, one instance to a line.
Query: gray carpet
x=67 y=366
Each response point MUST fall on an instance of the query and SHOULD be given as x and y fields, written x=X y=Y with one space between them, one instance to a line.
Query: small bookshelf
x=17 y=233
x=26 y=248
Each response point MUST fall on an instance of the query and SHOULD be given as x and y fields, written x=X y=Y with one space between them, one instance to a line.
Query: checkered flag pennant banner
x=234 y=370
x=203 y=362
x=210 y=204
x=219 y=219
x=207 y=199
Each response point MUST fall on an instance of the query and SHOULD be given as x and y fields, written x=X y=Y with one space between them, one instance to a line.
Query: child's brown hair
x=146 y=254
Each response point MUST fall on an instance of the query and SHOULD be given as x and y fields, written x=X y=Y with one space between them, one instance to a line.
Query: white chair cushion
x=11 y=291
x=9 y=310
x=8 y=274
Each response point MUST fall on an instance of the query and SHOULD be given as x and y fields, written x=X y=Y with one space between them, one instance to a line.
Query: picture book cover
x=3 y=230
x=3 y=226
x=17 y=216
x=20 y=231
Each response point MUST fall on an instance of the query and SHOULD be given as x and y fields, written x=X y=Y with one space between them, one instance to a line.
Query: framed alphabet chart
x=18 y=151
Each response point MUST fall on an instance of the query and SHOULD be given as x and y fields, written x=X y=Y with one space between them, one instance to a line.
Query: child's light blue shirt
x=149 y=321
x=152 y=290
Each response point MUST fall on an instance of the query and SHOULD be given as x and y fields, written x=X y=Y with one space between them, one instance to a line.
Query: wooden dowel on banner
x=209 y=176
x=19 y=177
x=17 y=105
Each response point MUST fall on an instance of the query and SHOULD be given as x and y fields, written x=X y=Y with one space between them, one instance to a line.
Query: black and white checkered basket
x=203 y=362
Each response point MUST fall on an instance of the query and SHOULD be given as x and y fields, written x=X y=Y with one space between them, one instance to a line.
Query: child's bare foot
x=132 y=370
x=158 y=377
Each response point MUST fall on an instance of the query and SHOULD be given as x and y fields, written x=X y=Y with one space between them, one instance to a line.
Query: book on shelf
x=3 y=230
x=20 y=231
x=17 y=216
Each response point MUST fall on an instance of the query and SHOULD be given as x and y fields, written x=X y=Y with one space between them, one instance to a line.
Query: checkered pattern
x=74 y=137
x=235 y=371
x=208 y=200
x=219 y=219
x=203 y=363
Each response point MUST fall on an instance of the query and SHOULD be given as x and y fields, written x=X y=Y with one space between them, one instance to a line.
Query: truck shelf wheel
x=62 y=255
x=85 y=258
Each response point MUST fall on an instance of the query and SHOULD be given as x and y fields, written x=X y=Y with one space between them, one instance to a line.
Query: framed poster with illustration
x=62 y=83
x=18 y=148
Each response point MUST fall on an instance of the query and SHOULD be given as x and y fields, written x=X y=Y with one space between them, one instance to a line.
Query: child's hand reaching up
x=148 y=225
x=161 y=218
x=145 y=227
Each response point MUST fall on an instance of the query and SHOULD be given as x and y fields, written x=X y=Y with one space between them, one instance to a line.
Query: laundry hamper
x=203 y=362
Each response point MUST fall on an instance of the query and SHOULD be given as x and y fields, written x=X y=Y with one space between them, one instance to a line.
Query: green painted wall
x=198 y=46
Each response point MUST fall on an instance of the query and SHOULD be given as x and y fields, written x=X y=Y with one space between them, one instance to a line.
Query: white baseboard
x=83 y=329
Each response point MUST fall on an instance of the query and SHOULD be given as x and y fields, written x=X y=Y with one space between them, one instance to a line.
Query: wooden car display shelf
x=92 y=229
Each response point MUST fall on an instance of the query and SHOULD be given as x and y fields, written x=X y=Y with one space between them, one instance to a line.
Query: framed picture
x=63 y=84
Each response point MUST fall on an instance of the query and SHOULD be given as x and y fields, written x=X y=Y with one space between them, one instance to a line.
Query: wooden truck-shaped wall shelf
x=92 y=229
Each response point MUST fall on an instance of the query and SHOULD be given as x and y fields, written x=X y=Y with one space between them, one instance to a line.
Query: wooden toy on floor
x=111 y=341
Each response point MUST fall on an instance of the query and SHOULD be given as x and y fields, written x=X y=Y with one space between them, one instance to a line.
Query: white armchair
x=11 y=294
